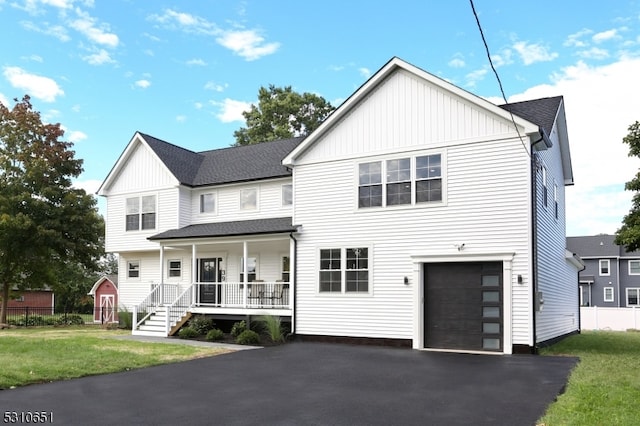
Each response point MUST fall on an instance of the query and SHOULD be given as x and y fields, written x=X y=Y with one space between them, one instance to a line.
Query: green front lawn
x=604 y=388
x=37 y=355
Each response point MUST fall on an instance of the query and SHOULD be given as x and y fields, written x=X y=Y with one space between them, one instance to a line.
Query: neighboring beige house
x=417 y=214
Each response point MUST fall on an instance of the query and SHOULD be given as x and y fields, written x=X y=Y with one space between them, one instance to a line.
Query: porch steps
x=155 y=325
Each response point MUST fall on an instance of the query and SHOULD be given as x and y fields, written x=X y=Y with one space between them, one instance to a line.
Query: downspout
x=295 y=283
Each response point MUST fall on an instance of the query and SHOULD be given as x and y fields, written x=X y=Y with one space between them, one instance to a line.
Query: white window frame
x=286 y=201
x=131 y=263
x=545 y=189
x=635 y=290
x=608 y=294
x=201 y=203
x=344 y=268
x=282 y=268
x=256 y=268
x=634 y=261
x=174 y=269
x=413 y=179
x=601 y=262
x=243 y=199
x=140 y=212
x=555 y=200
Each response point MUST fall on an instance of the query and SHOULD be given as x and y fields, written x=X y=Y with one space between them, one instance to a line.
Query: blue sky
x=183 y=71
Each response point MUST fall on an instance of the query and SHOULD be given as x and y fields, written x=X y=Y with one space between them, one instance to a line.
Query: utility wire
x=486 y=48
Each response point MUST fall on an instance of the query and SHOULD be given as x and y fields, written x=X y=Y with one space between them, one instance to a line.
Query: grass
x=604 y=388
x=39 y=355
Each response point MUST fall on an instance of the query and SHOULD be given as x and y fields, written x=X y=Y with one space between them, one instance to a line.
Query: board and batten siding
x=486 y=208
x=557 y=278
x=407 y=112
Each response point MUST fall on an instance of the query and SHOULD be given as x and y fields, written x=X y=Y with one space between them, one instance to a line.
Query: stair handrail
x=179 y=307
x=148 y=306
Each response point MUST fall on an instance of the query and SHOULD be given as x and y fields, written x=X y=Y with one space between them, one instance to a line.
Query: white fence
x=617 y=319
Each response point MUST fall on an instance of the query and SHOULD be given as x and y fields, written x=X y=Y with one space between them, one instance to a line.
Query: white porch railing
x=160 y=295
x=236 y=295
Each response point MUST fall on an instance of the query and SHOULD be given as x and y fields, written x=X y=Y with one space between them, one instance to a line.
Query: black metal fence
x=37 y=317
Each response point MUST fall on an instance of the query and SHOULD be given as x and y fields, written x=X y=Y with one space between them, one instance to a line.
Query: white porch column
x=245 y=270
x=161 y=274
x=194 y=275
x=292 y=284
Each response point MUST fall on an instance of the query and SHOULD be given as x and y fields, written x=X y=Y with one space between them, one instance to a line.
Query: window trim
x=140 y=213
x=555 y=200
x=257 y=205
x=201 y=196
x=629 y=266
x=600 y=263
x=282 y=270
x=256 y=272
x=608 y=297
x=413 y=180
x=343 y=270
x=637 y=291
x=170 y=269
x=130 y=269
x=545 y=189
x=282 y=197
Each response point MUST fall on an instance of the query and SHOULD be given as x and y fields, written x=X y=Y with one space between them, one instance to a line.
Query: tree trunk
x=5 y=304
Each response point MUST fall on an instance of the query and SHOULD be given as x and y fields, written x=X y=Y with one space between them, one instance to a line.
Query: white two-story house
x=417 y=214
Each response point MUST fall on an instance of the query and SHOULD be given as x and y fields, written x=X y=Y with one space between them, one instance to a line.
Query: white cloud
x=101 y=57
x=197 y=62
x=532 y=53
x=174 y=20
x=4 y=101
x=604 y=36
x=100 y=34
x=143 y=84
x=364 y=72
x=574 y=40
x=76 y=136
x=210 y=85
x=57 y=31
x=601 y=102
x=231 y=110
x=181 y=118
x=474 y=77
x=90 y=186
x=456 y=63
x=248 y=44
x=43 y=88
x=594 y=53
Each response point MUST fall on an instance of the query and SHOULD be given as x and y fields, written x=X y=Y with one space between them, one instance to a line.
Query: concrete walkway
x=310 y=384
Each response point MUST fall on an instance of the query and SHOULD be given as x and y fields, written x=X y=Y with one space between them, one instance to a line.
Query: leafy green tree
x=281 y=114
x=629 y=234
x=44 y=221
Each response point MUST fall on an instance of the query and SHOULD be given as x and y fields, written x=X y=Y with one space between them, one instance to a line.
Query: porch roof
x=228 y=229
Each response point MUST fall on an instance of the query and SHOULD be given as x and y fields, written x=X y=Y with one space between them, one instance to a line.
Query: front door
x=209 y=275
x=463 y=306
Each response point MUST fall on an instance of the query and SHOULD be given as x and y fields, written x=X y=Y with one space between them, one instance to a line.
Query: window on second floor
x=249 y=199
x=208 y=202
x=141 y=213
x=400 y=181
x=634 y=267
x=604 y=267
x=287 y=194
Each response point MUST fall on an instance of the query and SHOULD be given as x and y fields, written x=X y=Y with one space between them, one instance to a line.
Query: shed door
x=106 y=307
x=463 y=306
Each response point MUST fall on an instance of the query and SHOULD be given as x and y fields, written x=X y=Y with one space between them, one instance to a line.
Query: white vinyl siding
x=557 y=277
x=486 y=210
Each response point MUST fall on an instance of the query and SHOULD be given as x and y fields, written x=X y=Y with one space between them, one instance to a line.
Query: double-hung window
x=555 y=199
x=344 y=270
x=287 y=194
x=400 y=181
x=544 y=186
x=133 y=269
x=608 y=294
x=634 y=267
x=604 y=267
x=633 y=297
x=175 y=268
x=249 y=199
x=141 y=213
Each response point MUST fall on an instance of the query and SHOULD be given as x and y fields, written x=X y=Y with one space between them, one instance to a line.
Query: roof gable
x=396 y=65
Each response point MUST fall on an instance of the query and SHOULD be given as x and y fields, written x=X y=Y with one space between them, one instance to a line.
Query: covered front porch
x=231 y=275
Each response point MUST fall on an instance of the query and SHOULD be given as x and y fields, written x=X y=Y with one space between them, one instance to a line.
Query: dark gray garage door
x=463 y=306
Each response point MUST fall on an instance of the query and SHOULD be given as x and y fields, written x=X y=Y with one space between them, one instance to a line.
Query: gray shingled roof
x=542 y=112
x=602 y=245
x=228 y=229
x=226 y=165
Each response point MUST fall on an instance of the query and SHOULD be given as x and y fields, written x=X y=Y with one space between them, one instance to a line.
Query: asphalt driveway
x=309 y=384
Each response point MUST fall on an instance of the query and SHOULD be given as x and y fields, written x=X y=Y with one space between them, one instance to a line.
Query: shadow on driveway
x=310 y=384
